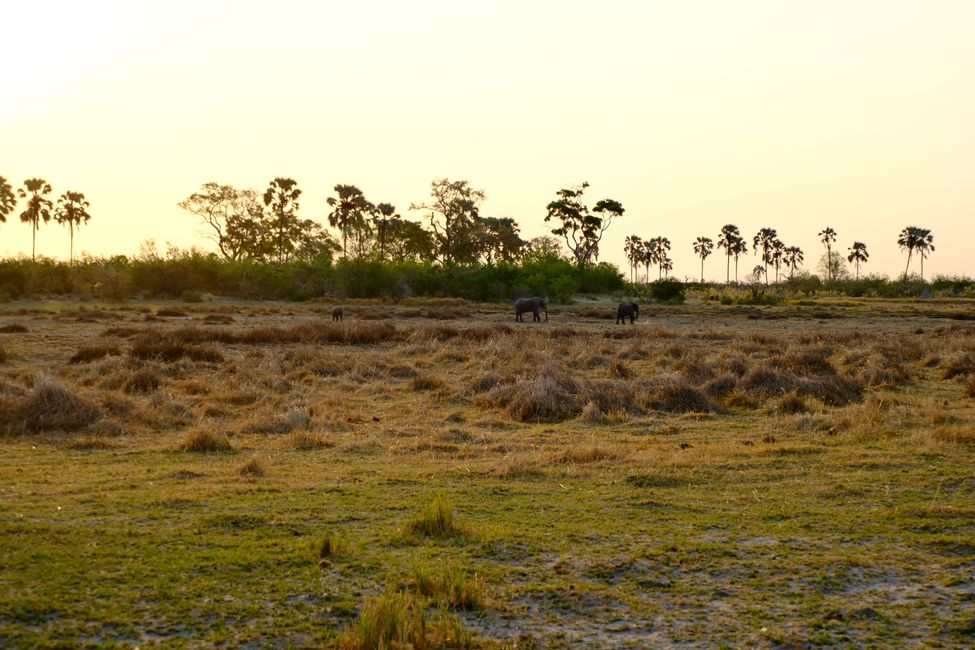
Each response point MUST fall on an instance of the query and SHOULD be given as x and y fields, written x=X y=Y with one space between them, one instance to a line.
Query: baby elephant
x=337 y=314
x=533 y=305
x=625 y=309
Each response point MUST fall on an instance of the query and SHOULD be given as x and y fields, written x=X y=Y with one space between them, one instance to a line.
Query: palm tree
x=38 y=208
x=347 y=211
x=828 y=236
x=793 y=258
x=648 y=255
x=913 y=239
x=661 y=246
x=777 y=255
x=924 y=244
x=703 y=247
x=740 y=248
x=383 y=214
x=858 y=253
x=764 y=240
x=727 y=240
x=8 y=200
x=633 y=247
x=666 y=265
x=759 y=271
x=72 y=210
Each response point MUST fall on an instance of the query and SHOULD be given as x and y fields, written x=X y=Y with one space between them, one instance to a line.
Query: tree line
x=71 y=209
x=771 y=251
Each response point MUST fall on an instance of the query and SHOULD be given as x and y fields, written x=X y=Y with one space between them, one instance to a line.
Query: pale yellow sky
x=795 y=115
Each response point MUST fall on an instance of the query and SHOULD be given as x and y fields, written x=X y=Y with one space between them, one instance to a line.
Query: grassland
x=227 y=474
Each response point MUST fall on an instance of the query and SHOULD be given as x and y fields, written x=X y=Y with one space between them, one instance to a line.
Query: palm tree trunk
x=702 y=269
x=33 y=241
x=727 y=274
x=71 y=231
x=908 y=268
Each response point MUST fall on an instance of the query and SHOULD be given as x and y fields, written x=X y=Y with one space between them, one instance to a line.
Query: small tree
x=914 y=239
x=38 y=208
x=581 y=228
x=703 y=247
x=382 y=215
x=777 y=255
x=827 y=236
x=72 y=210
x=633 y=247
x=858 y=254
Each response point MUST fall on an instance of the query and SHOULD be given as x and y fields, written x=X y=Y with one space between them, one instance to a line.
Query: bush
x=48 y=407
x=667 y=291
x=205 y=441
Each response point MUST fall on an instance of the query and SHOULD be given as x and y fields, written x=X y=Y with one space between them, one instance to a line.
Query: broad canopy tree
x=581 y=228
x=235 y=218
x=453 y=212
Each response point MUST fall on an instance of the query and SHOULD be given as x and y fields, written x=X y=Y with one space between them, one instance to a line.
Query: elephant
x=337 y=314
x=627 y=309
x=530 y=304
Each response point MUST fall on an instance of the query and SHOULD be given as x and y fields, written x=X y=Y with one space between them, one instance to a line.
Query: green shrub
x=669 y=291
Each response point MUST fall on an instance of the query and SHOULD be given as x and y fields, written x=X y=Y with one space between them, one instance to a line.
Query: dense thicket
x=189 y=274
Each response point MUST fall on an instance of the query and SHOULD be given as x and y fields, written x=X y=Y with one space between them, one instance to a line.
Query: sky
x=789 y=114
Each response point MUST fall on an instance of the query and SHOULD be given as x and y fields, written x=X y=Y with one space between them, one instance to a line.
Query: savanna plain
x=430 y=474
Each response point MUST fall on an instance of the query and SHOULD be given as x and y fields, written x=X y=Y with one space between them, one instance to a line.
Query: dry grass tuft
x=957 y=434
x=551 y=396
x=91 y=443
x=591 y=414
x=13 y=328
x=49 y=406
x=958 y=365
x=4 y=357
x=93 y=353
x=171 y=313
x=675 y=395
x=585 y=455
x=790 y=404
x=205 y=441
x=171 y=348
x=327 y=546
x=143 y=380
x=450 y=587
x=427 y=382
x=277 y=422
x=303 y=440
x=970 y=387
x=252 y=468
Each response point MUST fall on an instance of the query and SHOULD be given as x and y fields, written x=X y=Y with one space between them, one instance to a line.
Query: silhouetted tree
x=765 y=240
x=777 y=255
x=38 y=208
x=633 y=247
x=8 y=200
x=728 y=240
x=72 y=210
x=703 y=247
x=793 y=257
x=914 y=239
x=234 y=216
x=740 y=248
x=348 y=215
x=543 y=248
x=498 y=239
x=581 y=228
x=409 y=241
x=659 y=247
x=281 y=201
x=452 y=212
x=858 y=254
x=827 y=236
x=382 y=215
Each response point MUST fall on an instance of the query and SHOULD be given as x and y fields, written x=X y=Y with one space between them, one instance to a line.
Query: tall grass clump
x=205 y=441
x=399 y=620
x=49 y=406
x=437 y=520
x=327 y=546
x=450 y=587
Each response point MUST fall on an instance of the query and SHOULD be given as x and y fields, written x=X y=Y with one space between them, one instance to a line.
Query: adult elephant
x=523 y=305
x=626 y=310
